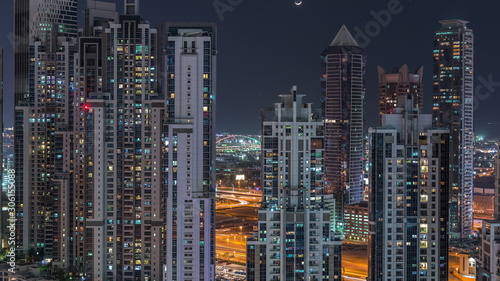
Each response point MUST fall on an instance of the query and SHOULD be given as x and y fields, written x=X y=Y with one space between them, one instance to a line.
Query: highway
x=235 y=223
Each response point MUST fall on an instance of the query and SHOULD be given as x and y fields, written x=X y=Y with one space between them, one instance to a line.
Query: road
x=231 y=239
x=235 y=221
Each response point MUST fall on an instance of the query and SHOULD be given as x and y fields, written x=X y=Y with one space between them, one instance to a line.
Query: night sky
x=266 y=46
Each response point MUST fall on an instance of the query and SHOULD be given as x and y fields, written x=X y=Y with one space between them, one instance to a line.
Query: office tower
x=399 y=82
x=119 y=124
x=295 y=238
x=189 y=157
x=409 y=196
x=453 y=109
x=356 y=226
x=343 y=86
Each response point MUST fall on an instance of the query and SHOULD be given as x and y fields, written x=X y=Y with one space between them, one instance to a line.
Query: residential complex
x=409 y=196
x=119 y=125
x=295 y=238
x=189 y=159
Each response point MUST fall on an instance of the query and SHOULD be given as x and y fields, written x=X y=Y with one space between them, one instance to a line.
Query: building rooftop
x=344 y=38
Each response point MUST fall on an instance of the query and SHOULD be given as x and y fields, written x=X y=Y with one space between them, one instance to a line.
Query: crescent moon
x=298 y=2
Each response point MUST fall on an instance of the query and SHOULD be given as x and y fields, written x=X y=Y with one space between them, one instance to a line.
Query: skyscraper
x=295 y=238
x=119 y=125
x=453 y=108
x=409 y=196
x=44 y=37
x=189 y=156
x=42 y=122
x=343 y=86
x=399 y=82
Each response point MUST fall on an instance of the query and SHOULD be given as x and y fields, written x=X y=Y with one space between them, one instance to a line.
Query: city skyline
x=298 y=62
x=115 y=146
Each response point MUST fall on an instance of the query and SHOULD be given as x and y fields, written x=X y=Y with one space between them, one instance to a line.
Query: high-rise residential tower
x=44 y=42
x=408 y=197
x=295 y=238
x=189 y=156
x=42 y=134
x=453 y=108
x=399 y=82
x=343 y=86
x=119 y=124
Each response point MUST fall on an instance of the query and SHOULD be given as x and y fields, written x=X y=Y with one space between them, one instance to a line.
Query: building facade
x=399 y=82
x=356 y=227
x=453 y=108
x=42 y=128
x=409 y=197
x=190 y=75
x=119 y=125
x=44 y=44
x=295 y=238
x=488 y=268
x=488 y=264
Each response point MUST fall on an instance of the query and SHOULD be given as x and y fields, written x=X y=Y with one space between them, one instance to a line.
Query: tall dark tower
x=343 y=86
x=453 y=109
